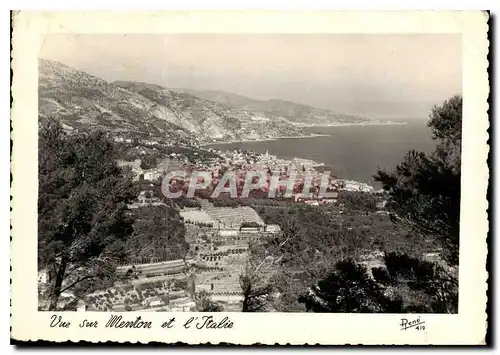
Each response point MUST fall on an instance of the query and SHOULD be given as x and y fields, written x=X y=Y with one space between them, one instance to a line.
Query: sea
x=350 y=152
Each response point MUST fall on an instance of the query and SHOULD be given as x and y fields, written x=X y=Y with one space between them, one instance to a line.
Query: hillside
x=84 y=101
x=297 y=114
x=213 y=120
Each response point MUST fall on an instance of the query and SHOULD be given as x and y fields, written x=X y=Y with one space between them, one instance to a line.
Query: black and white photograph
x=248 y=183
x=378 y=117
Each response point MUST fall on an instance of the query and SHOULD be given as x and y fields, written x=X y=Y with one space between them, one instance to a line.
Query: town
x=218 y=233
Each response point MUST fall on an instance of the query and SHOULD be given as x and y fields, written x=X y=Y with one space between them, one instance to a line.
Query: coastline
x=389 y=123
x=320 y=165
x=312 y=135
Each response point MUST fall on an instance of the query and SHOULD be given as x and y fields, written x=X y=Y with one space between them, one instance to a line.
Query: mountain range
x=83 y=101
x=297 y=114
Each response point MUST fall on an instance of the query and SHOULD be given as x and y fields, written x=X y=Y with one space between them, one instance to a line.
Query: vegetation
x=424 y=189
x=328 y=257
x=183 y=202
x=82 y=209
x=148 y=162
x=250 y=225
x=364 y=202
x=404 y=284
x=323 y=261
x=205 y=304
x=424 y=195
x=349 y=288
x=256 y=294
x=158 y=233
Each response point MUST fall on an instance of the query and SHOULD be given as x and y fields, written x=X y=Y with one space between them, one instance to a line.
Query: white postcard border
x=467 y=327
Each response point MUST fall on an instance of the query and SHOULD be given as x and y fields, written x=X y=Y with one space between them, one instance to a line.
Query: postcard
x=250 y=177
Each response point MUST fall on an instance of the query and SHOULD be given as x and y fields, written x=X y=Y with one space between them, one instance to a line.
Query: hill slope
x=213 y=120
x=84 y=101
x=297 y=114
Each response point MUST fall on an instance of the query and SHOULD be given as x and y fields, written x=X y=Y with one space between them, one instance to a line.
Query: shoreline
x=389 y=123
x=312 y=135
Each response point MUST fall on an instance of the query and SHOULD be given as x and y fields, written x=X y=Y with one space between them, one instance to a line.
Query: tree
x=424 y=194
x=249 y=225
x=349 y=288
x=205 y=304
x=255 y=296
x=404 y=284
x=158 y=233
x=424 y=286
x=256 y=290
x=82 y=209
x=148 y=162
x=445 y=121
x=424 y=189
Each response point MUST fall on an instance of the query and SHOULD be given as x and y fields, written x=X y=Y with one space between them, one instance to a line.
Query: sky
x=372 y=75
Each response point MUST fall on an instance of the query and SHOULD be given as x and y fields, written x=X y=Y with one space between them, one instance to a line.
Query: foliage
x=249 y=225
x=289 y=285
x=358 y=201
x=424 y=194
x=313 y=238
x=424 y=200
x=423 y=285
x=83 y=219
x=254 y=282
x=158 y=233
x=445 y=121
x=205 y=304
x=255 y=296
x=424 y=189
x=181 y=284
x=183 y=202
x=349 y=288
x=148 y=162
x=404 y=284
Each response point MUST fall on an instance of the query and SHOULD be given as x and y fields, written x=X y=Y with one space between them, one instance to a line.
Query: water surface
x=352 y=152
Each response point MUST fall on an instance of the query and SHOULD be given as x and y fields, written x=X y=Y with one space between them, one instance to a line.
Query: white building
x=228 y=233
x=356 y=186
x=151 y=175
x=81 y=307
x=43 y=277
x=273 y=228
x=137 y=173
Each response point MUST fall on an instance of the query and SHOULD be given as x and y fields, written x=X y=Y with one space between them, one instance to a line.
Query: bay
x=350 y=152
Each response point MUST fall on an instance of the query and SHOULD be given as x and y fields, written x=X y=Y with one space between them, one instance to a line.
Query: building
x=349 y=185
x=152 y=175
x=81 y=306
x=197 y=216
x=250 y=230
x=152 y=302
x=273 y=228
x=185 y=304
x=225 y=233
x=316 y=200
x=229 y=217
x=43 y=277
